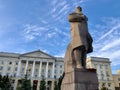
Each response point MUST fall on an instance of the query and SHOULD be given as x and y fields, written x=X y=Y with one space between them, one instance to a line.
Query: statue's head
x=79 y=9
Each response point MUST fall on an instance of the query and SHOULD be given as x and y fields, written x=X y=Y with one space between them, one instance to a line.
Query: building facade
x=102 y=65
x=116 y=78
x=37 y=65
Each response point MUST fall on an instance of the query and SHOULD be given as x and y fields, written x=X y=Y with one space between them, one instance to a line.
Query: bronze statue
x=81 y=41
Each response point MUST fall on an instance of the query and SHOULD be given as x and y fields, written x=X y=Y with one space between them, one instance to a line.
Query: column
x=52 y=87
x=46 y=75
x=98 y=71
x=13 y=68
x=18 y=68
x=53 y=69
x=104 y=72
x=40 y=69
x=33 y=69
x=26 y=67
x=15 y=84
x=5 y=67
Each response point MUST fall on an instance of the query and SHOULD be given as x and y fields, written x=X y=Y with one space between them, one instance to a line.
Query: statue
x=81 y=41
x=76 y=76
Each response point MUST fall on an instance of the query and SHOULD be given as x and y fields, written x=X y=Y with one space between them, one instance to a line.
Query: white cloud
x=62 y=54
x=107 y=43
x=111 y=44
x=117 y=27
x=32 y=31
x=51 y=35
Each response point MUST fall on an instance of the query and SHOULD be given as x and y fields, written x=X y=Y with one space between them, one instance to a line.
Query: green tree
x=60 y=81
x=55 y=85
x=0 y=80
x=25 y=84
x=5 y=83
x=42 y=85
x=104 y=88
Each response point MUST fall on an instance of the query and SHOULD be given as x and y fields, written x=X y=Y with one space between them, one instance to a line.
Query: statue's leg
x=78 y=57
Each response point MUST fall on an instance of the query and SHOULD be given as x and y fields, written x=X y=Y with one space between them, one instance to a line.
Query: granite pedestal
x=80 y=79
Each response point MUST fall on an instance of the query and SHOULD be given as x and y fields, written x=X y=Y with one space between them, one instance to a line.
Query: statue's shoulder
x=72 y=17
x=77 y=17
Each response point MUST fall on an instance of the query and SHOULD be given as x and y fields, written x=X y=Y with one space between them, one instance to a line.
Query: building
x=116 y=78
x=37 y=65
x=102 y=65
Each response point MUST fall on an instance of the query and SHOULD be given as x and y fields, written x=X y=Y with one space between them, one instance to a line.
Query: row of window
x=2 y=62
x=9 y=68
x=106 y=84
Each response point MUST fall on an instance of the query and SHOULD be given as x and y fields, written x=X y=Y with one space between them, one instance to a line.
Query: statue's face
x=79 y=8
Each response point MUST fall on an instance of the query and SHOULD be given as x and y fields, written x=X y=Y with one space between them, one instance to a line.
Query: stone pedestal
x=80 y=79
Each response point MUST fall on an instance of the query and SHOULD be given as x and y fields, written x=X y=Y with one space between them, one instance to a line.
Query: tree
x=104 y=88
x=5 y=82
x=25 y=84
x=0 y=80
x=42 y=84
x=60 y=81
x=55 y=85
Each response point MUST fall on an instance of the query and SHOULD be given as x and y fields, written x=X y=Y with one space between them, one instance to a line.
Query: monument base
x=80 y=79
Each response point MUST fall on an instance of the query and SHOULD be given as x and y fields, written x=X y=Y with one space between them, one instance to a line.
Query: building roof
x=98 y=59
x=7 y=54
x=32 y=54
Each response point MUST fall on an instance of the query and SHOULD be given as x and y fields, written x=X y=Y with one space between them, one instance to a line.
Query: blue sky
x=28 y=25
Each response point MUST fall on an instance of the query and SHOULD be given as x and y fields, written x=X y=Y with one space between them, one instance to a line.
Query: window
x=10 y=62
x=107 y=73
x=60 y=71
x=102 y=77
x=95 y=66
x=109 y=84
x=118 y=79
x=35 y=75
x=9 y=68
x=103 y=84
x=106 y=66
x=42 y=70
x=22 y=69
x=101 y=66
x=1 y=68
x=16 y=63
x=55 y=65
x=48 y=76
x=7 y=74
x=42 y=76
x=36 y=70
x=102 y=73
x=108 y=79
x=49 y=71
x=16 y=69
x=60 y=66
x=55 y=76
x=14 y=74
x=29 y=70
x=55 y=71
x=2 y=62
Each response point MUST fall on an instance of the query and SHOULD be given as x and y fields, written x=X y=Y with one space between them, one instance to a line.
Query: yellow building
x=102 y=65
x=116 y=78
x=37 y=65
